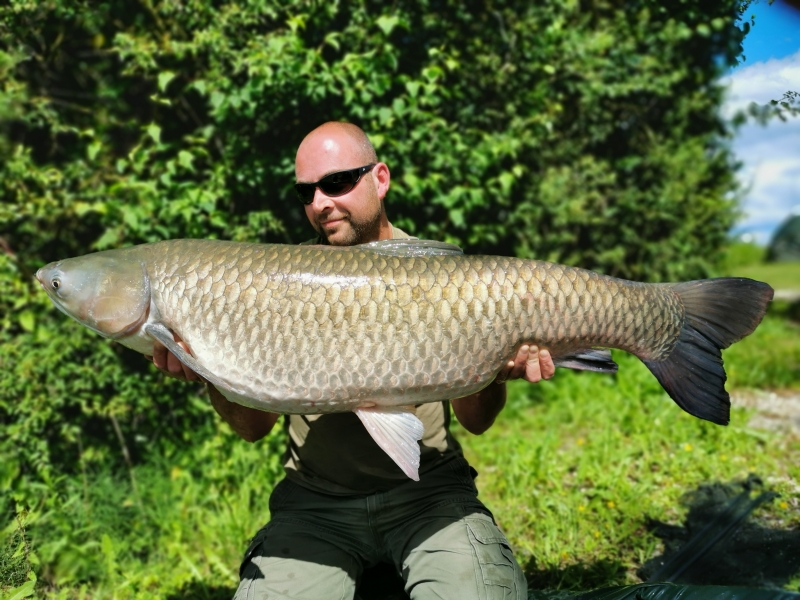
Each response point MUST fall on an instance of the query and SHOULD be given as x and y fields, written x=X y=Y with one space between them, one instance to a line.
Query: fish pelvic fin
x=718 y=312
x=594 y=359
x=397 y=431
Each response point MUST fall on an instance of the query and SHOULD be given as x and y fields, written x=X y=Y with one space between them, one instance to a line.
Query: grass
x=575 y=472
x=780 y=275
x=573 y=469
x=747 y=260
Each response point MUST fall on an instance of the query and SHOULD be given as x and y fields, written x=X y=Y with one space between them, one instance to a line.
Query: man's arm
x=249 y=423
x=477 y=412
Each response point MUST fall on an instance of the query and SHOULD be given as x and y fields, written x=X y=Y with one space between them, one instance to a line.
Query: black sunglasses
x=335 y=184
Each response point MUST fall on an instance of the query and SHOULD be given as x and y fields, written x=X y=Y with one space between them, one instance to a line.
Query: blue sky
x=770 y=155
x=776 y=33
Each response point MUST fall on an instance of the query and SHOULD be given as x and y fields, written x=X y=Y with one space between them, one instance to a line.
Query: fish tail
x=717 y=313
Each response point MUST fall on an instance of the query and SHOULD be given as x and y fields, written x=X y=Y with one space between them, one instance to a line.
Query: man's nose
x=321 y=202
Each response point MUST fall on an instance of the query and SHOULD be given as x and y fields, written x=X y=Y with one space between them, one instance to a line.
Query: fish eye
x=56 y=283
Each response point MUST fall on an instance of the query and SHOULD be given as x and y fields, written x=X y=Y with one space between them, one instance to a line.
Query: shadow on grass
x=739 y=550
x=589 y=576
x=202 y=591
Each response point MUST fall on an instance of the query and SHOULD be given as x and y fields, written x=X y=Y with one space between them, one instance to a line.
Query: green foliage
x=788 y=106
x=739 y=255
x=781 y=275
x=582 y=132
x=586 y=133
x=574 y=470
x=769 y=358
x=16 y=573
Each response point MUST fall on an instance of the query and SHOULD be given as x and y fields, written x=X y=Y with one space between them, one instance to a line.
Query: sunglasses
x=333 y=185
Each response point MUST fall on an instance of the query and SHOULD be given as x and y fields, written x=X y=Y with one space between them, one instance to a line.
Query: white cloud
x=770 y=155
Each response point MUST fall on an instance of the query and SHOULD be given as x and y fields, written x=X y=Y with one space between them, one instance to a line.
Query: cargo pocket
x=501 y=576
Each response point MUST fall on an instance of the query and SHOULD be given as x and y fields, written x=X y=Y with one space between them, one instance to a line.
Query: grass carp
x=378 y=328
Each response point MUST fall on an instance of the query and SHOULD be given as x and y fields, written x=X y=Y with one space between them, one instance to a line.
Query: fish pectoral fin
x=164 y=335
x=595 y=359
x=412 y=247
x=397 y=431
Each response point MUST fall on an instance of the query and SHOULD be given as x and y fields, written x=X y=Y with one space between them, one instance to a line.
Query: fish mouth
x=41 y=274
x=41 y=277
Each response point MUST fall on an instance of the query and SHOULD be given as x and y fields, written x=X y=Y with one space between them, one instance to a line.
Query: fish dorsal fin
x=397 y=431
x=412 y=247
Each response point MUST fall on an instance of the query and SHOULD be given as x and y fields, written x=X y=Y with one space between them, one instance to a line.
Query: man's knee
x=284 y=561
x=466 y=559
x=498 y=572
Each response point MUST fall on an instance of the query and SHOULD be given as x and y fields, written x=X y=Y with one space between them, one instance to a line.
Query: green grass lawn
x=780 y=275
x=573 y=469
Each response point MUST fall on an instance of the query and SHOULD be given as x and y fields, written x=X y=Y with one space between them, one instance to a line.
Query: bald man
x=344 y=505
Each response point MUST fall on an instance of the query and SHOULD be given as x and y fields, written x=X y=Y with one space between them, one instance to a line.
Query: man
x=344 y=505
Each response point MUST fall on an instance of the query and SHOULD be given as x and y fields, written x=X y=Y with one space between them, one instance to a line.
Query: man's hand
x=478 y=411
x=530 y=364
x=168 y=363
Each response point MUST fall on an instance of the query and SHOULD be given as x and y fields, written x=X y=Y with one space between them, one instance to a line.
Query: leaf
x=387 y=23
x=93 y=149
x=163 y=80
x=384 y=115
x=27 y=320
x=154 y=131
x=109 y=239
x=23 y=591
x=186 y=160
x=332 y=40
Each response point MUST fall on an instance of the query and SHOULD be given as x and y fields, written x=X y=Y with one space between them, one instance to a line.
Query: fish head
x=108 y=292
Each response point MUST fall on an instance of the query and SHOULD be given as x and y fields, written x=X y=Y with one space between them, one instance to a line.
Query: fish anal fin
x=397 y=431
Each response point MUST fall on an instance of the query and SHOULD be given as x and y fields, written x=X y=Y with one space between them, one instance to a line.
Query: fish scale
x=472 y=310
x=381 y=327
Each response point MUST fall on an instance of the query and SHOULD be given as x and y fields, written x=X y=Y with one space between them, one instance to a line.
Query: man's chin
x=340 y=235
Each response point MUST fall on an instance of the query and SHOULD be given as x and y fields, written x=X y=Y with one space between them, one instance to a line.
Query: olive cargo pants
x=437 y=534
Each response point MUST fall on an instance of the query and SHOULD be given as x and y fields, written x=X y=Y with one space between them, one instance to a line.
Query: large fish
x=378 y=328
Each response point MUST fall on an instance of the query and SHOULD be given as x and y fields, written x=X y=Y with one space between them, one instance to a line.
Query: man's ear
x=382 y=178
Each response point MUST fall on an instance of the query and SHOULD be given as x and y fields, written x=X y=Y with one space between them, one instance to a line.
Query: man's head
x=357 y=216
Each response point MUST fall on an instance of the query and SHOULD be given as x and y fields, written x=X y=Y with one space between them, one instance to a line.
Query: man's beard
x=360 y=231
